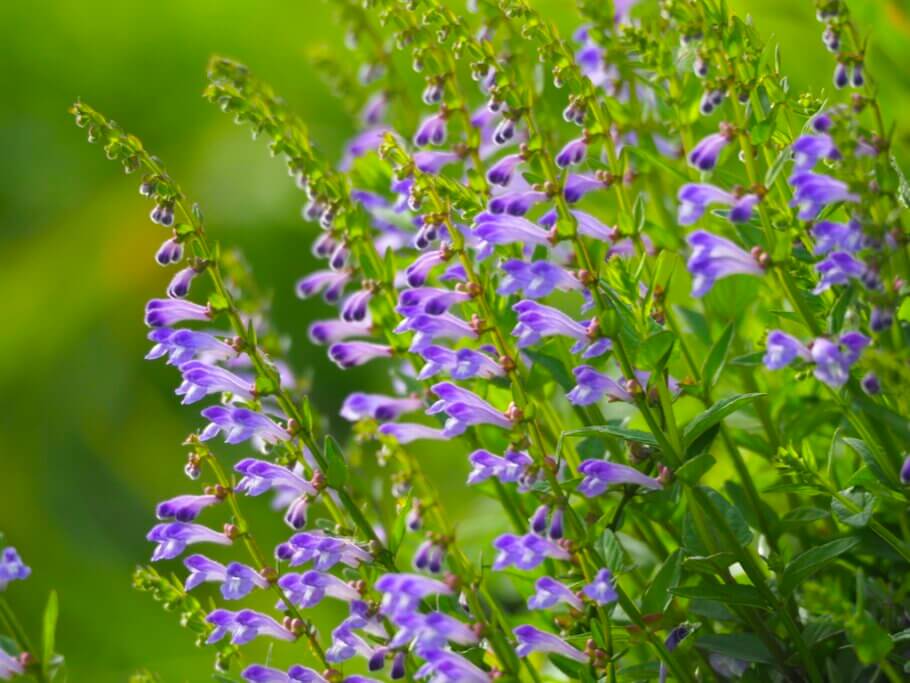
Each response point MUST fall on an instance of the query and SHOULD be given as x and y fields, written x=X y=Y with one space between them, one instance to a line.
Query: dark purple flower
x=714 y=258
x=429 y=300
x=808 y=149
x=838 y=269
x=355 y=307
x=516 y=203
x=840 y=75
x=599 y=474
x=418 y=272
x=830 y=236
x=782 y=349
x=170 y=251
x=538 y=520
x=549 y=592
x=358 y=406
x=531 y=640
x=525 y=552
x=905 y=471
x=501 y=172
x=166 y=312
x=814 y=191
x=431 y=131
x=173 y=538
x=179 y=286
x=12 y=568
x=601 y=589
x=185 y=508
x=705 y=153
x=573 y=153
x=870 y=384
x=351 y=354
x=880 y=319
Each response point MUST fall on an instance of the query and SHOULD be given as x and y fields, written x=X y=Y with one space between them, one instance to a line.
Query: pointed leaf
x=713 y=415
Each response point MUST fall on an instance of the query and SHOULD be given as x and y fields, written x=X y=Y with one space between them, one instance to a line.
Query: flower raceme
x=520 y=284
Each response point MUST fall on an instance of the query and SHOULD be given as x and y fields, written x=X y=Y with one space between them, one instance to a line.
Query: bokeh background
x=89 y=432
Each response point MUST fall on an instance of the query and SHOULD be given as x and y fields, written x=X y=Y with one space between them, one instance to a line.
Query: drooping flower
x=241 y=424
x=419 y=270
x=516 y=203
x=167 y=312
x=358 y=406
x=704 y=155
x=464 y=408
x=172 y=538
x=501 y=172
x=601 y=590
x=525 y=552
x=573 y=153
x=12 y=568
x=531 y=639
x=201 y=379
x=431 y=131
x=185 y=508
x=714 y=258
x=578 y=185
x=429 y=300
x=549 y=592
x=244 y=626
x=599 y=474
x=351 y=354
x=322 y=550
x=695 y=198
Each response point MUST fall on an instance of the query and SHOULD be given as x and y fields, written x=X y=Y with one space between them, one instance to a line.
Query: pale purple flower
x=428 y=328
x=537 y=321
x=573 y=153
x=593 y=386
x=185 y=508
x=356 y=306
x=10 y=666
x=501 y=172
x=323 y=551
x=838 y=269
x=808 y=149
x=351 y=354
x=429 y=300
x=201 y=379
x=12 y=568
x=535 y=279
x=704 y=155
x=601 y=590
x=464 y=408
x=592 y=227
x=503 y=229
x=181 y=346
x=260 y=476
x=549 y=592
x=714 y=258
x=462 y=364
x=430 y=631
x=516 y=203
x=814 y=191
x=833 y=361
x=347 y=644
x=831 y=236
x=531 y=639
x=330 y=282
x=358 y=406
x=509 y=468
x=782 y=349
x=695 y=198
x=402 y=593
x=432 y=161
x=308 y=589
x=367 y=141
x=418 y=272
x=445 y=666
x=179 y=285
x=170 y=251
x=525 y=552
x=599 y=474
x=173 y=538
x=166 y=312
x=375 y=108
x=244 y=626
x=432 y=130
x=407 y=432
x=577 y=186
x=237 y=580
x=334 y=331
x=240 y=424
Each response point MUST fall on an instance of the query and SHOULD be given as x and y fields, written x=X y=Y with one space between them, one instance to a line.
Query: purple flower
x=838 y=269
x=431 y=131
x=330 y=282
x=240 y=424
x=536 y=279
x=430 y=631
x=501 y=172
x=905 y=471
x=173 y=538
x=549 y=592
x=782 y=349
x=351 y=354
x=808 y=149
x=323 y=551
x=840 y=75
x=170 y=251
x=237 y=580
x=432 y=161
x=590 y=226
x=201 y=379
x=814 y=191
x=12 y=568
x=10 y=666
x=833 y=361
x=525 y=552
x=418 y=272
x=244 y=626
x=510 y=468
x=593 y=386
x=429 y=300
x=531 y=640
x=365 y=142
x=355 y=307
x=536 y=321
x=502 y=229
x=166 y=312
x=406 y=432
x=461 y=364
x=601 y=589
x=346 y=643
x=694 y=198
x=333 y=331
x=573 y=153
x=674 y=638
x=464 y=408
x=181 y=346
x=374 y=109
x=880 y=319
x=870 y=384
x=577 y=186
x=260 y=476
x=308 y=589
x=444 y=666
x=704 y=155
x=184 y=508
x=714 y=258
x=837 y=236
x=430 y=327
x=516 y=203
x=179 y=286
x=599 y=474
x=358 y=406
x=402 y=593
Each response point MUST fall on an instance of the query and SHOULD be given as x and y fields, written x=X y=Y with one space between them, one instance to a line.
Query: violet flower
x=549 y=592
x=536 y=279
x=352 y=354
x=166 y=312
x=330 y=282
x=501 y=172
x=445 y=666
x=358 y=406
x=714 y=258
x=407 y=432
x=573 y=153
x=402 y=593
x=244 y=626
x=462 y=364
x=577 y=186
x=704 y=155
x=185 y=508
x=181 y=346
x=464 y=408
x=240 y=424
x=201 y=379
x=502 y=229
x=695 y=198
x=432 y=161
x=429 y=300
x=814 y=191
x=12 y=568
x=838 y=269
x=323 y=551
x=431 y=131
x=601 y=589
x=172 y=538
x=308 y=589
x=781 y=349
x=509 y=468
x=428 y=328
x=10 y=666
x=831 y=236
x=237 y=580
x=599 y=474
x=808 y=149
x=525 y=552
x=833 y=361
x=431 y=631
x=531 y=639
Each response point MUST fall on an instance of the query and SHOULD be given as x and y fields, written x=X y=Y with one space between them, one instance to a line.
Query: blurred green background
x=89 y=432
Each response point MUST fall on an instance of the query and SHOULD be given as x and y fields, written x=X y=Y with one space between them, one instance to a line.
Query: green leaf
x=803 y=515
x=709 y=564
x=859 y=513
x=744 y=646
x=732 y=516
x=777 y=166
x=655 y=351
x=611 y=551
x=738 y=594
x=713 y=415
x=49 y=632
x=336 y=474
x=695 y=468
x=716 y=359
x=546 y=367
x=806 y=564
x=614 y=430
x=863 y=451
x=871 y=642
x=657 y=596
x=400 y=528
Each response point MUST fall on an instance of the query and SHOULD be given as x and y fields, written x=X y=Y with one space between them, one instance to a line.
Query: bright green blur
x=89 y=432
